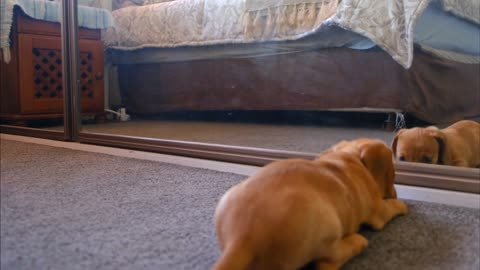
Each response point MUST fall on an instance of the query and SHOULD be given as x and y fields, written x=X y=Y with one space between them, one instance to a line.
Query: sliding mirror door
x=32 y=74
x=280 y=77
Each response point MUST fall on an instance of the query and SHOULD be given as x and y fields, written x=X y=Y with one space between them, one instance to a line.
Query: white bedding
x=390 y=24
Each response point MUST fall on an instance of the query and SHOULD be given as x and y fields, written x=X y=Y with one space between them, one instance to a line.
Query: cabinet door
x=41 y=74
x=91 y=76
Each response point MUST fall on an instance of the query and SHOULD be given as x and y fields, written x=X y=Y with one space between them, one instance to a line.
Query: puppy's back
x=468 y=127
x=465 y=137
x=284 y=203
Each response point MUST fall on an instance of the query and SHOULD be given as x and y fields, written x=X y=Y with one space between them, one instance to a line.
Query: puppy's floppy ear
x=339 y=146
x=440 y=137
x=377 y=158
x=394 y=142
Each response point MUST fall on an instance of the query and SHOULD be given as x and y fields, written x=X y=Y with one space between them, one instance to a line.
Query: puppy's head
x=377 y=158
x=423 y=145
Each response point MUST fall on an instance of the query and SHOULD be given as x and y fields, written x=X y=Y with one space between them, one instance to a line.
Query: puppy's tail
x=234 y=259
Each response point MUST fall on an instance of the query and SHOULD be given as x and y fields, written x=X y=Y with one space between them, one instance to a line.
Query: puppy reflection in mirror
x=456 y=145
x=295 y=211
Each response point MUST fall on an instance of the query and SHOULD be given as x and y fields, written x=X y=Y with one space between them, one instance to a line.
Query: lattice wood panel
x=87 y=76
x=47 y=74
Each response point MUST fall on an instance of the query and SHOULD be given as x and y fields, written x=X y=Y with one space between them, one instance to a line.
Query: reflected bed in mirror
x=223 y=61
x=221 y=64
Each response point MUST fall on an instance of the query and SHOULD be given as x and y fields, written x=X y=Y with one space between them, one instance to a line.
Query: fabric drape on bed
x=390 y=24
x=271 y=19
x=467 y=9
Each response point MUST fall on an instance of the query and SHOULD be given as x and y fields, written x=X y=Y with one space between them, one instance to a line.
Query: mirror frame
x=407 y=173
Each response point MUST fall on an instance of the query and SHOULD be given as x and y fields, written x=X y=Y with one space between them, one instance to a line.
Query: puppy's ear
x=394 y=142
x=440 y=138
x=377 y=158
x=341 y=145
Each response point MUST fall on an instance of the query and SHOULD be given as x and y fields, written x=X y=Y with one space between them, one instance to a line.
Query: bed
x=417 y=57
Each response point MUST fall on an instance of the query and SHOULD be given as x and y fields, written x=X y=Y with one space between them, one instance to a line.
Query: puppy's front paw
x=401 y=207
x=361 y=242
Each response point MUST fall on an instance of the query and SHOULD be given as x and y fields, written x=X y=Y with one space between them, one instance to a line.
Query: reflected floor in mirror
x=302 y=132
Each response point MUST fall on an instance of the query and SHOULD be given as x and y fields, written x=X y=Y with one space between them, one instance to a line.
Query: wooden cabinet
x=31 y=84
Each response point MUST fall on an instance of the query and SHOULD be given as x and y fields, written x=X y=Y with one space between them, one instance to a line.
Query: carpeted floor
x=65 y=209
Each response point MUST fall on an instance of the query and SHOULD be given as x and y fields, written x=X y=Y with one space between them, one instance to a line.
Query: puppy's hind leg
x=385 y=211
x=342 y=251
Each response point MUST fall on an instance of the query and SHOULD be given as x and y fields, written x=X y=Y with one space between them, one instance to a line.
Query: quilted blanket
x=389 y=24
x=205 y=22
x=467 y=9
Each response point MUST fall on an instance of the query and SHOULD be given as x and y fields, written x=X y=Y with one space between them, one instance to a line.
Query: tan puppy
x=456 y=145
x=296 y=211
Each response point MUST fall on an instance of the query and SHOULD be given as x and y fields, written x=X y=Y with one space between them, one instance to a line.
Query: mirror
x=31 y=65
x=282 y=76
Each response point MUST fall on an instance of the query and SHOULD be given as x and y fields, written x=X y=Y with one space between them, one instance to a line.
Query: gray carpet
x=64 y=209
x=273 y=136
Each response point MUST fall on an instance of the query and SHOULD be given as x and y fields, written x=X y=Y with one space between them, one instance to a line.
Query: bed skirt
x=433 y=90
